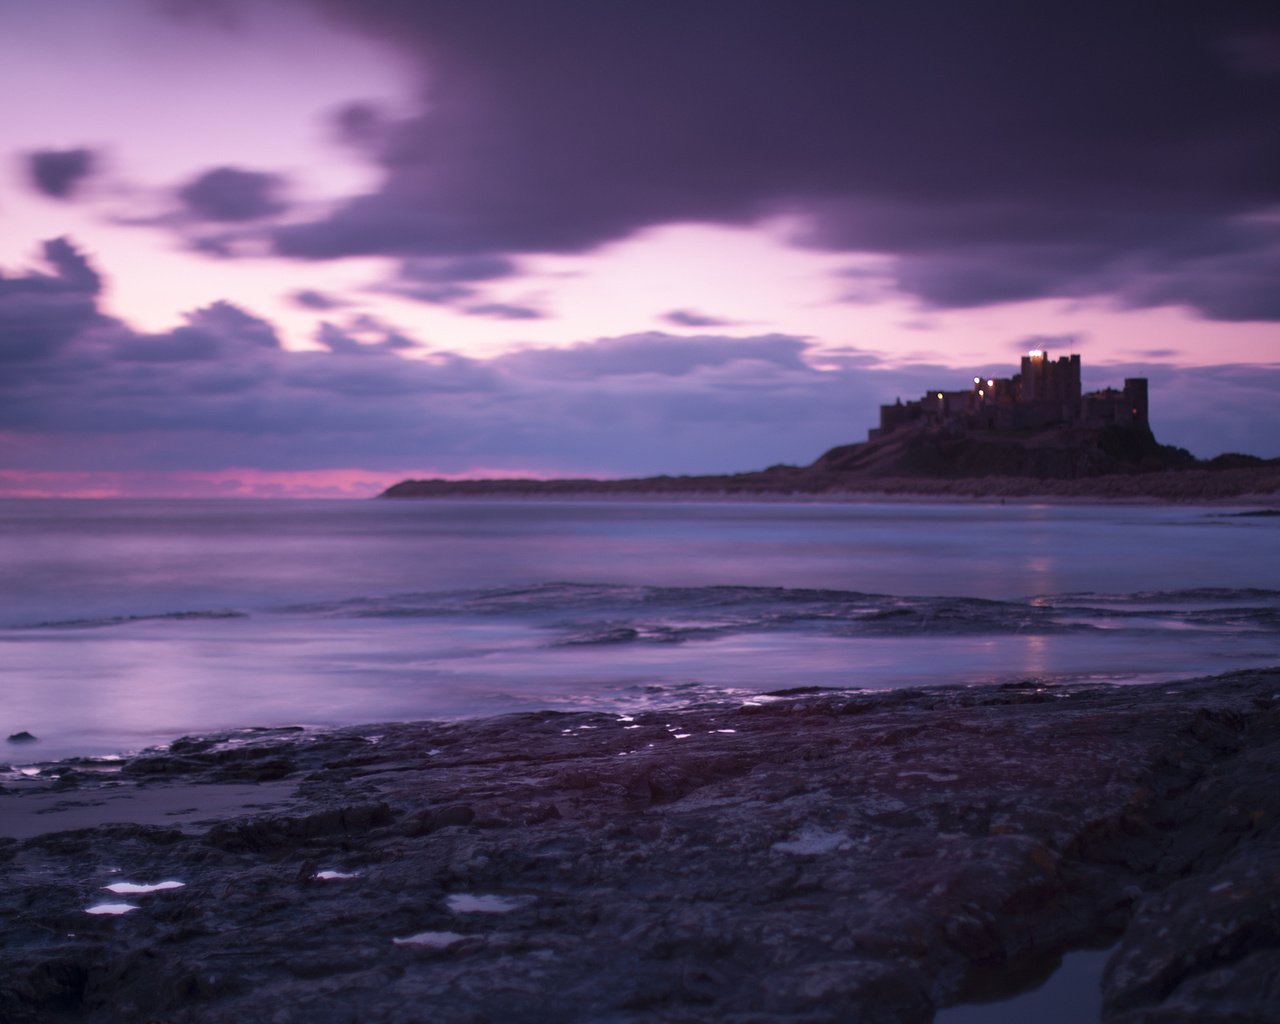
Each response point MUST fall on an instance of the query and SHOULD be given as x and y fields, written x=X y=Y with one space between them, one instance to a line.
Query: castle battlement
x=1043 y=393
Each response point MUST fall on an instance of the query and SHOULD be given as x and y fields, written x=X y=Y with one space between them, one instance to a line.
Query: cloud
x=309 y=298
x=232 y=195
x=74 y=272
x=84 y=393
x=655 y=353
x=692 y=318
x=452 y=282
x=483 y=267
x=220 y=331
x=58 y=173
x=989 y=152
x=433 y=294
x=1252 y=53
x=226 y=15
x=504 y=311
x=41 y=313
x=362 y=125
x=1232 y=278
x=363 y=334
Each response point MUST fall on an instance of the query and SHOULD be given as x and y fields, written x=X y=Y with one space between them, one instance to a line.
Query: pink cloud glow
x=234 y=482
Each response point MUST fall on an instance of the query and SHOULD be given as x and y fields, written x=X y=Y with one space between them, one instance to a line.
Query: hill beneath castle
x=1111 y=462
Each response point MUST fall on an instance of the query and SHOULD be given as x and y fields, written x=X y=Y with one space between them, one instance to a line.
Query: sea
x=125 y=624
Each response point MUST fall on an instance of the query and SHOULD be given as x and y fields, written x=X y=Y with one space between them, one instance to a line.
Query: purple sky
x=313 y=246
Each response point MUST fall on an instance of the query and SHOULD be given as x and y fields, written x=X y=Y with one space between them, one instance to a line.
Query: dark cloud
x=1055 y=343
x=220 y=389
x=655 y=353
x=484 y=267
x=692 y=318
x=363 y=334
x=41 y=313
x=991 y=151
x=74 y=272
x=451 y=282
x=1223 y=280
x=433 y=294
x=1256 y=53
x=504 y=311
x=219 y=331
x=309 y=298
x=227 y=15
x=59 y=172
x=363 y=125
x=232 y=195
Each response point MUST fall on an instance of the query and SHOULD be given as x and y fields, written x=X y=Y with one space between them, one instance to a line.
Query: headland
x=1032 y=435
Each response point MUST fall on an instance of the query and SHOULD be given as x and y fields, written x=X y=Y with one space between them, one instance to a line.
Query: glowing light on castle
x=1045 y=393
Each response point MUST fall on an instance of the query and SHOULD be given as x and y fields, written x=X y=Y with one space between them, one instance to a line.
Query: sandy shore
x=811 y=857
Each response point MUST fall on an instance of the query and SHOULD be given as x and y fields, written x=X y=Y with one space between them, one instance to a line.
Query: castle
x=1045 y=393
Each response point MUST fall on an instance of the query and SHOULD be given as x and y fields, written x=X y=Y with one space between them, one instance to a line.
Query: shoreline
x=817 y=855
x=1269 y=502
x=1190 y=486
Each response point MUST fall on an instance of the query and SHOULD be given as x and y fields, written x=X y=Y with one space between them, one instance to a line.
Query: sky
x=311 y=247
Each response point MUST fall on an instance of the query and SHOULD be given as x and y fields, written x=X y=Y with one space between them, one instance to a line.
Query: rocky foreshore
x=811 y=857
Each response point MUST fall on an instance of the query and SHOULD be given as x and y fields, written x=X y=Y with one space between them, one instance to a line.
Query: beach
x=814 y=856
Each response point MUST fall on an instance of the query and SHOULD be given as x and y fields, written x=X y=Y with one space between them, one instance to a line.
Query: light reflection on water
x=1071 y=995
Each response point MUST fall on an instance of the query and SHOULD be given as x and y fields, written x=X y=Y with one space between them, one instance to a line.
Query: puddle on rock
x=329 y=876
x=1070 y=995
x=811 y=840
x=115 y=909
x=432 y=940
x=137 y=888
x=472 y=903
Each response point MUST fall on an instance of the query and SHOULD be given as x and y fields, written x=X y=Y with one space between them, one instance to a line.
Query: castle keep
x=1044 y=393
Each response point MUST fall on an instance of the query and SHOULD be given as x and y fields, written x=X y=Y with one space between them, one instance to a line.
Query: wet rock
x=273 y=831
x=21 y=737
x=1207 y=946
x=456 y=814
x=824 y=857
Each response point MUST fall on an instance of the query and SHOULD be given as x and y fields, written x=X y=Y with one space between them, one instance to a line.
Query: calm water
x=124 y=624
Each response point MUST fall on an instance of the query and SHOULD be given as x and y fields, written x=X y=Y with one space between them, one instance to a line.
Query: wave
x=596 y=614
x=585 y=614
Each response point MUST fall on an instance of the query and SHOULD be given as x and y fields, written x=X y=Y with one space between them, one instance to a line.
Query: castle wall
x=1045 y=393
x=1043 y=380
x=1110 y=407
x=1135 y=393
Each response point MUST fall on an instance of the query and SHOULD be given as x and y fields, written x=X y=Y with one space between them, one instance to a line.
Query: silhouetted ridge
x=1032 y=434
x=1054 y=453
